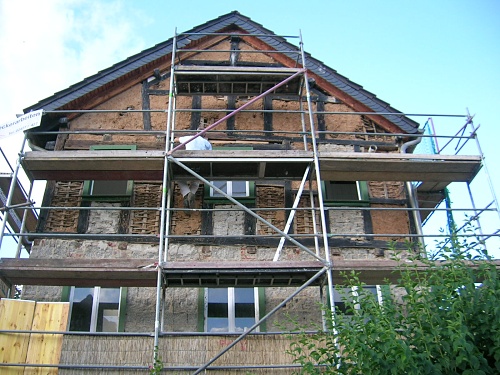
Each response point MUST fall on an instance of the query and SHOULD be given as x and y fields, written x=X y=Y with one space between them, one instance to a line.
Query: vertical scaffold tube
x=13 y=183
x=318 y=176
x=161 y=245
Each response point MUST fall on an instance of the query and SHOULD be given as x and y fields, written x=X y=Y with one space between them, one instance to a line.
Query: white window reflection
x=230 y=309
x=232 y=188
x=95 y=309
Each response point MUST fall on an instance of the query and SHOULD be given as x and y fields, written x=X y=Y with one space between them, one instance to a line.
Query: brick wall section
x=346 y=222
x=146 y=221
x=66 y=194
x=304 y=222
x=386 y=189
x=271 y=197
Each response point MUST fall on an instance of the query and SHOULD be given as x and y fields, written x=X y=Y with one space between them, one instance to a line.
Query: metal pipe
x=300 y=133
x=263 y=319
x=163 y=202
x=317 y=171
x=23 y=226
x=292 y=214
x=78 y=333
x=10 y=194
x=412 y=198
x=142 y=367
x=230 y=50
x=255 y=209
x=68 y=367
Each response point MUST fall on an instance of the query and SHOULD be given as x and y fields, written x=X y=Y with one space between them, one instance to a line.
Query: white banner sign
x=27 y=121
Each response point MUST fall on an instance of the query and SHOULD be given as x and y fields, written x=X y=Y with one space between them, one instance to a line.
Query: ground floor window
x=230 y=309
x=96 y=309
x=342 y=297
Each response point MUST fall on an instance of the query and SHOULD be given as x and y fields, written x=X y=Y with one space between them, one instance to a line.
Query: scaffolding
x=309 y=165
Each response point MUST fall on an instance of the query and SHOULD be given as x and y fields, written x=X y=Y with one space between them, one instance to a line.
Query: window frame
x=259 y=303
x=250 y=198
x=340 y=297
x=208 y=190
x=67 y=296
x=88 y=184
x=362 y=190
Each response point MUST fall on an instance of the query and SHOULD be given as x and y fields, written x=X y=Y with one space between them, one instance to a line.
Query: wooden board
x=15 y=315
x=249 y=165
x=142 y=272
x=46 y=348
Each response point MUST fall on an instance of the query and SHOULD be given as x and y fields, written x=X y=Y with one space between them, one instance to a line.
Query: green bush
x=442 y=321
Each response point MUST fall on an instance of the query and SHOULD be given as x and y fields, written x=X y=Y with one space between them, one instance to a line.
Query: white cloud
x=48 y=45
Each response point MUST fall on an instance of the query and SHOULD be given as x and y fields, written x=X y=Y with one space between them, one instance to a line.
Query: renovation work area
x=203 y=190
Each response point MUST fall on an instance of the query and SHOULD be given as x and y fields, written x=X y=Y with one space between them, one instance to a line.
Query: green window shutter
x=363 y=189
x=262 y=308
x=65 y=293
x=201 y=309
x=123 y=309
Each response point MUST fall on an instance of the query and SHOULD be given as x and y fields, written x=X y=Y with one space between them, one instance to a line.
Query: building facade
x=309 y=175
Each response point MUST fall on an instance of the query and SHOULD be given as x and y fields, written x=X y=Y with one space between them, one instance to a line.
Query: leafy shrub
x=445 y=320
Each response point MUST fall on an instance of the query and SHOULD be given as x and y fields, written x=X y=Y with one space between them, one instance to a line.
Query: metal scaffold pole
x=11 y=190
x=318 y=178
x=163 y=242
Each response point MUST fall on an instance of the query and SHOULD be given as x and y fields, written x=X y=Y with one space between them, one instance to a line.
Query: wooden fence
x=31 y=348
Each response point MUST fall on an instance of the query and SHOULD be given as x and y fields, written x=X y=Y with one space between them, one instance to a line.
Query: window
x=108 y=190
x=342 y=298
x=96 y=309
x=243 y=191
x=235 y=189
x=230 y=309
x=345 y=193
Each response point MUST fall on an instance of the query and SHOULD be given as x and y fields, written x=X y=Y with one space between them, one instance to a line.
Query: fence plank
x=46 y=348
x=15 y=315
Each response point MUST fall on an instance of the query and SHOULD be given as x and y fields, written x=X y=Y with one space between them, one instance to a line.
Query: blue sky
x=428 y=57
